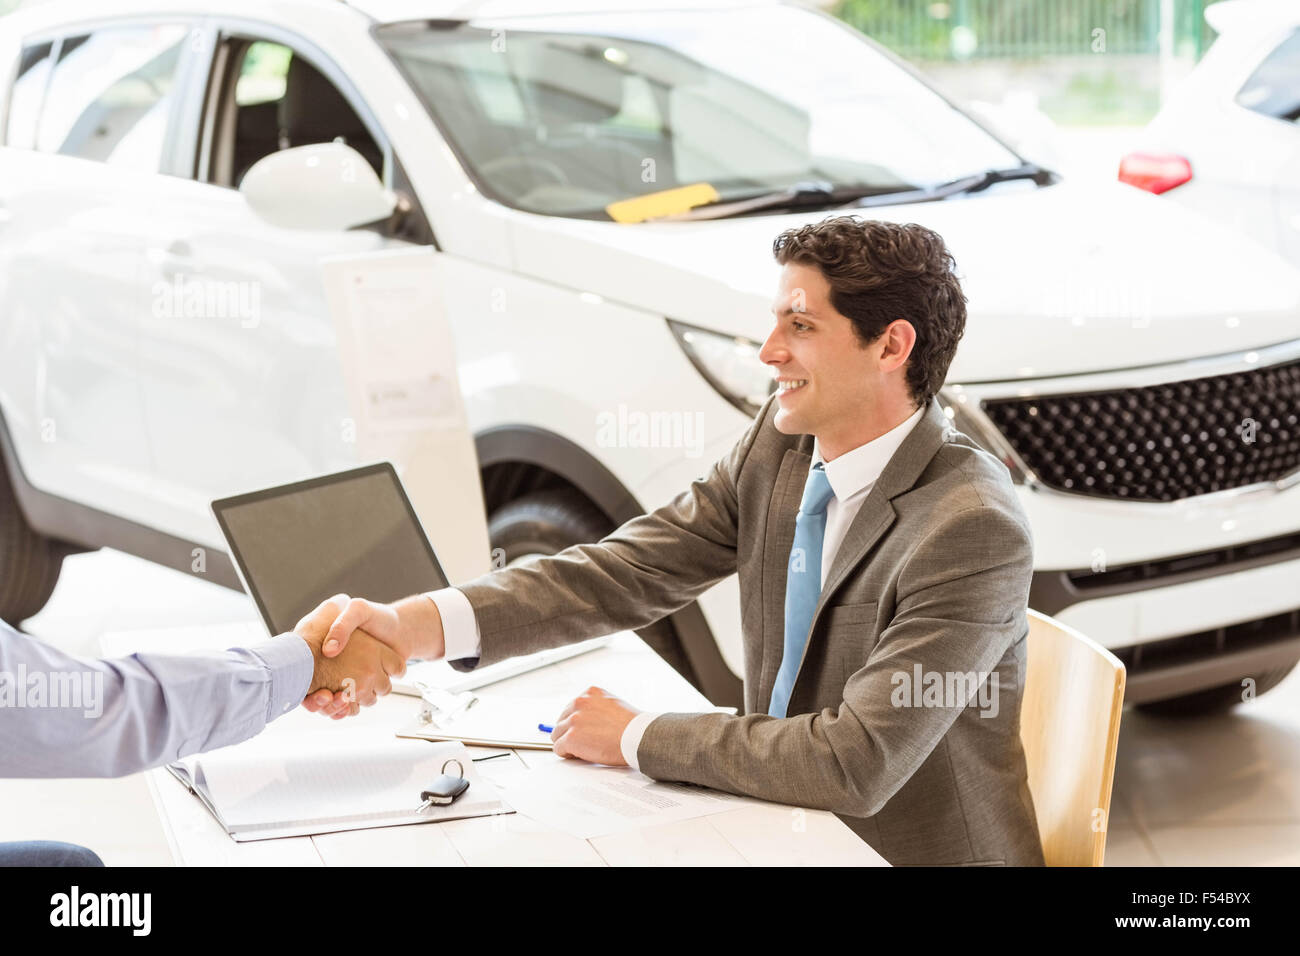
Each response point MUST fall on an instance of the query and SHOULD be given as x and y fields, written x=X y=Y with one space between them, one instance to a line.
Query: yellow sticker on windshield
x=663 y=203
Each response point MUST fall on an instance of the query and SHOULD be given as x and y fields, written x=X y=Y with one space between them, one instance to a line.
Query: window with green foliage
x=263 y=74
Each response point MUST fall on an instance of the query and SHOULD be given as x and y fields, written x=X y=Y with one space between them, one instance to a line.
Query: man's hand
x=411 y=627
x=591 y=728
x=354 y=677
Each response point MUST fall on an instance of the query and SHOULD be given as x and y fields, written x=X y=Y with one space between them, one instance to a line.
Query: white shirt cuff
x=631 y=738
x=459 y=626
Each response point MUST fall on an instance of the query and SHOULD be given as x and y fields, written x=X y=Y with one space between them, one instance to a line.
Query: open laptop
x=354 y=533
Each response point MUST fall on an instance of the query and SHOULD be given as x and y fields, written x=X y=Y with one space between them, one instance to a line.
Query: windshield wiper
x=812 y=193
x=801 y=195
x=974 y=183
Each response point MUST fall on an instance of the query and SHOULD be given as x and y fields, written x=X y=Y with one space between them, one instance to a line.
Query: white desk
x=768 y=834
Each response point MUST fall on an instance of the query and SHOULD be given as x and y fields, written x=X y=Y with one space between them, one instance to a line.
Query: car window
x=26 y=95
x=281 y=100
x=1274 y=88
x=263 y=74
x=566 y=114
x=110 y=94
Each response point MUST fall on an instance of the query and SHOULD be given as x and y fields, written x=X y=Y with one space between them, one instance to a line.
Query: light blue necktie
x=803 y=582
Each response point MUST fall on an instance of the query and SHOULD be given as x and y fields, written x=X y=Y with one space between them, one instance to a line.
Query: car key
x=445 y=789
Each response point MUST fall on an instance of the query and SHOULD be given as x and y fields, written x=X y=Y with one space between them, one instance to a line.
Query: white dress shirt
x=851 y=477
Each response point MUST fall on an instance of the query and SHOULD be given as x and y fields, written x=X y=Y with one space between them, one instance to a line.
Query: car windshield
x=570 y=115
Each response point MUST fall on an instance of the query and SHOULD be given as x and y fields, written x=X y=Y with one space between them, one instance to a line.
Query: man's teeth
x=787 y=386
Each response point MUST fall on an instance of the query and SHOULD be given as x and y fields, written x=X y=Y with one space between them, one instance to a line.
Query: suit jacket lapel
x=877 y=513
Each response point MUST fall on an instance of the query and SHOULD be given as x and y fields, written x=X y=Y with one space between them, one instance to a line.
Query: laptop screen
x=354 y=532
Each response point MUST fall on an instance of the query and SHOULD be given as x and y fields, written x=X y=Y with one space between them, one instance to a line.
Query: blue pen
x=544 y=729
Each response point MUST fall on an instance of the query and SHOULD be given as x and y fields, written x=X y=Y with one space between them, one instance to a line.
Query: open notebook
x=263 y=789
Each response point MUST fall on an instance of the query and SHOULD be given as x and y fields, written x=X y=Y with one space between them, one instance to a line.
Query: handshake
x=359 y=646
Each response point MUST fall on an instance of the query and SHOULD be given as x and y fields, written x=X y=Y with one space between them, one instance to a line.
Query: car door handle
x=173 y=258
x=177 y=249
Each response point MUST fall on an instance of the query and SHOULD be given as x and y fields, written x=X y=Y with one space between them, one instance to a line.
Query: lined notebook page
x=328 y=780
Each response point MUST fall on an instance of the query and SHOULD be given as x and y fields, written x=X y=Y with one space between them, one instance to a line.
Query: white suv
x=602 y=189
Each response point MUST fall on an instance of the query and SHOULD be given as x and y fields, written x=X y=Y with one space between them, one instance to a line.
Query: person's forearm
x=105 y=718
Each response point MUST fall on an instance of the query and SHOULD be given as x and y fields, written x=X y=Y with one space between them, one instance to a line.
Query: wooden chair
x=1069 y=726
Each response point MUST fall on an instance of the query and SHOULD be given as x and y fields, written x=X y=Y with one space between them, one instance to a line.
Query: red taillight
x=1156 y=173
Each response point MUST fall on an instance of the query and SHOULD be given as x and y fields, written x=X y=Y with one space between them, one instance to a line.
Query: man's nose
x=773 y=350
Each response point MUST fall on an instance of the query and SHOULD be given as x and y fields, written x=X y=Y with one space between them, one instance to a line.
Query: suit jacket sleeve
x=960 y=605
x=650 y=567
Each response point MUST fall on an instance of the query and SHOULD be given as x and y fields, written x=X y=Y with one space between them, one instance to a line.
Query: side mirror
x=327 y=186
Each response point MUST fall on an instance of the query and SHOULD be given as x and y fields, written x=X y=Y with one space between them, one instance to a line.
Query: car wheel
x=29 y=562
x=1215 y=700
x=547 y=522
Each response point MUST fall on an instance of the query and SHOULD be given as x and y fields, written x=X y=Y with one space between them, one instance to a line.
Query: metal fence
x=1026 y=29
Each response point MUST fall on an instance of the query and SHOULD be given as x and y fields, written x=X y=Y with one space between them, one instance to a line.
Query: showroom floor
x=1222 y=790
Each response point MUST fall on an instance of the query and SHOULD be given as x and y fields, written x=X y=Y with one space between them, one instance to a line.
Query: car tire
x=29 y=562
x=547 y=522
x=1215 y=700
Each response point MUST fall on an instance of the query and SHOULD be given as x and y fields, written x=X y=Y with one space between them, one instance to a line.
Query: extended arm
x=64 y=716
x=646 y=569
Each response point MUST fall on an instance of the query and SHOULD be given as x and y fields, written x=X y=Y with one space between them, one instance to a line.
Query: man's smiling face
x=813 y=343
x=860 y=372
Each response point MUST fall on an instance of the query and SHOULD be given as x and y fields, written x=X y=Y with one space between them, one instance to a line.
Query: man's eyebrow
x=789 y=311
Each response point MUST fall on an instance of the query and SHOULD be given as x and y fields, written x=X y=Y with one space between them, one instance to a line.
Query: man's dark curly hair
x=882 y=271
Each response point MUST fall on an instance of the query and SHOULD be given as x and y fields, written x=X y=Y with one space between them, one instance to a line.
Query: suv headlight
x=729 y=363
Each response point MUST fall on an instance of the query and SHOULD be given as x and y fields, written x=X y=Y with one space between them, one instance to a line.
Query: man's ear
x=899 y=338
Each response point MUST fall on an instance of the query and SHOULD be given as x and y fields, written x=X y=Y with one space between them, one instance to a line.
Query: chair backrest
x=1069 y=726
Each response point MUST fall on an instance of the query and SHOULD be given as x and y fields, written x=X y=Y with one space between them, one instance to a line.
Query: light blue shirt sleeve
x=66 y=716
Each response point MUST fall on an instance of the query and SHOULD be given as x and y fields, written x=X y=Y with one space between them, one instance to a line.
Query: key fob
x=445 y=789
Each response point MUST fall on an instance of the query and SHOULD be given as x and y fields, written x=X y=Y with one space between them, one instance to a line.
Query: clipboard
x=492 y=720
x=485 y=720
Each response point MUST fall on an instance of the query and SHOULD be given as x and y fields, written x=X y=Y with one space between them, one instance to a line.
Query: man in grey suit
x=884 y=563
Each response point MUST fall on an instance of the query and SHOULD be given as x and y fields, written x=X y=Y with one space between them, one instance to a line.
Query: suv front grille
x=1160 y=442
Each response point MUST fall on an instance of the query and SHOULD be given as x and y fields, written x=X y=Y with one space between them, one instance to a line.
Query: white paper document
x=494 y=720
x=589 y=800
x=397 y=356
x=396 y=346
x=267 y=787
